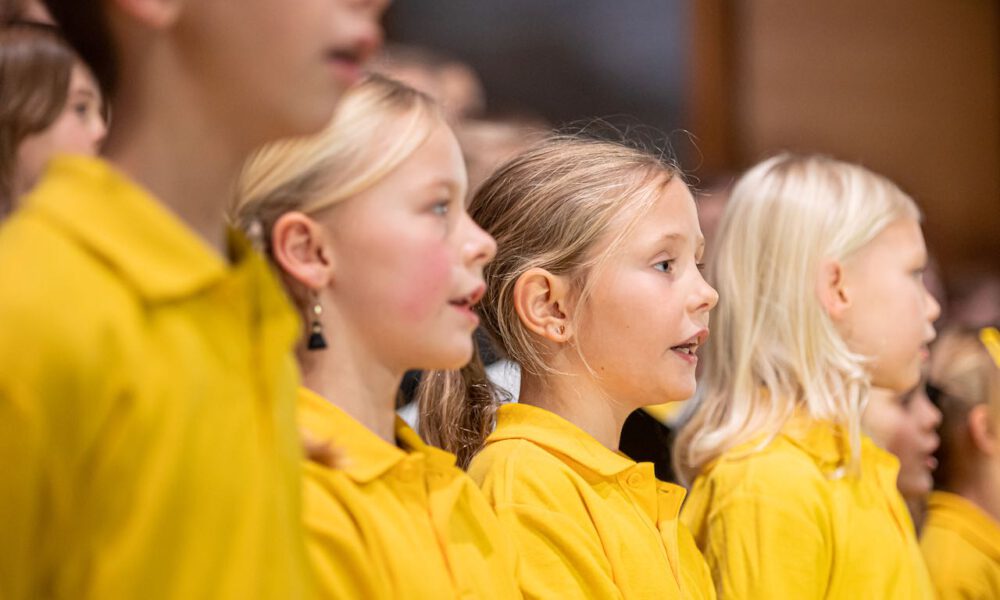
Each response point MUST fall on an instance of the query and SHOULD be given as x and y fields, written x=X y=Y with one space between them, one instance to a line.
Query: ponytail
x=457 y=409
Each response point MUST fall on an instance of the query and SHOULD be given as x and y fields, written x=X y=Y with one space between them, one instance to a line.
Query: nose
x=933 y=308
x=928 y=415
x=479 y=247
x=705 y=296
x=369 y=34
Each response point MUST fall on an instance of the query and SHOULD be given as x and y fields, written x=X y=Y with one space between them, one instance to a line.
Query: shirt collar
x=968 y=520
x=552 y=432
x=362 y=455
x=132 y=232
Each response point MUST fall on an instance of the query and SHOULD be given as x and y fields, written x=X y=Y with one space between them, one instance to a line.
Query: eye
x=665 y=266
x=441 y=208
x=82 y=109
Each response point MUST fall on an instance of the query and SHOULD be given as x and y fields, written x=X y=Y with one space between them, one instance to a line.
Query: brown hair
x=84 y=25
x=548 y=208
x=35 y=70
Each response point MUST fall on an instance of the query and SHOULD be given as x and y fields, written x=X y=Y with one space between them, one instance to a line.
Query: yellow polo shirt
x=588 y=522
x=962 y=546
x=146 y=404
x=783 y=522
x=397 y=522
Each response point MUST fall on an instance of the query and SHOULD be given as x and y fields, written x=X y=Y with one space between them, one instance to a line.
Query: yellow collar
x=960 y=515
x=128 y=229
x=559 y=436
x=364 y=455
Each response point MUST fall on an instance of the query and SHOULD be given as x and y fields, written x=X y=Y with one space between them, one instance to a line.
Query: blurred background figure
x=454 y=84
x=49 y=104
x=24 y=10
x=961 y=536
x=906 y=425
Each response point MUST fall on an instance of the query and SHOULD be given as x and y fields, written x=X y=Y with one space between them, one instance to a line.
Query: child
x=146 y=393
x=961 y=538
x=906 y=426
x=597 y=295
x=49 y=104
x=819 y=266
x=367 y=223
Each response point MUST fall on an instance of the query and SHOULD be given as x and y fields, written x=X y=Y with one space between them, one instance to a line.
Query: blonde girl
x=367 y=224
x=597 y=294
x=819 y=266
x=961 y=538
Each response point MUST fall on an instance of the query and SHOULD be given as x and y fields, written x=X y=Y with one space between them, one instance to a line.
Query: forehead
x=672 y=215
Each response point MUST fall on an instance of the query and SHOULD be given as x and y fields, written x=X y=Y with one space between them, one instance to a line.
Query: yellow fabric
x=397 y=522
x=146 y=405
x=783 y=521
x=588 y=522
x=962 y=546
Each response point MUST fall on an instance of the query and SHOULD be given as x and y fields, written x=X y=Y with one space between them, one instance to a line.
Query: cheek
x=425 y=281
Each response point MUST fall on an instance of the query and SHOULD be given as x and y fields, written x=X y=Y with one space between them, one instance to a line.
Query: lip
x=345 y=69
x=693 y=343
x=465 y=304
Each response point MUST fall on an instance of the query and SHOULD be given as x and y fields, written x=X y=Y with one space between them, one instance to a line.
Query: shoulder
x=778 y=479
x=518 y=471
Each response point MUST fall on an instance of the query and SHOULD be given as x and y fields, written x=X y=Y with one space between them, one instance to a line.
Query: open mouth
x=689 y=349
x=467 y=302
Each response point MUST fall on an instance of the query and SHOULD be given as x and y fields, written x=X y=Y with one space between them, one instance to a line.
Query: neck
x=983 y=490
x=349 y=377
x=576 y=399
x=168 y=141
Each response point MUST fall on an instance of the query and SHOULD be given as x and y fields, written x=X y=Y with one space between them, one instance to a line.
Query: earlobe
x=982 y=430
x=540 y=300
x=298 y=244
x=832 y=290
x=155 y=14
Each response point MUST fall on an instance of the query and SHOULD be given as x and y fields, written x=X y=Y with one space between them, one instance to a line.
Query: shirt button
x=635 y=479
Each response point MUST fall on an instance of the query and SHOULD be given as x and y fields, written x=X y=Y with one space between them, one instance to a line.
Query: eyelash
x=669 y=266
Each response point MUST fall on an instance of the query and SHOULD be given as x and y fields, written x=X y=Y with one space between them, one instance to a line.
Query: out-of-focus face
x=891 y=316
x=408 y=261
x=648 y=313
x=79 y=129
x=275 y=68
x=906 y=425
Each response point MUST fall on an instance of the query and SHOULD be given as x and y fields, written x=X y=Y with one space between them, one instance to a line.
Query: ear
x=831 y=289
x=299 y=246
x=983 y=431
x=154 y=14
x=540 y=299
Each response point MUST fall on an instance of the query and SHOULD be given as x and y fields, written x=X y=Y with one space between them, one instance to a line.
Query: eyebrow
x=87 y=92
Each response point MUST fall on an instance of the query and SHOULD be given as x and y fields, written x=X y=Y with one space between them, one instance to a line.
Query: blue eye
x=441 y=208
x=665 y=266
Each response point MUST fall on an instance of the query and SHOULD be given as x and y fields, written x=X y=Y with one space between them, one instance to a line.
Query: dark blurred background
x=910 y=88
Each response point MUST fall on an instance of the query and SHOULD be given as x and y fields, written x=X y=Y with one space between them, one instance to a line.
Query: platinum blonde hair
x=775 y=351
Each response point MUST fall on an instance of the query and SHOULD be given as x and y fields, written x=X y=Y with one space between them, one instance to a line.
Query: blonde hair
x=965 y=375
x=548 y=208
x=378 y=124
x=775 y=351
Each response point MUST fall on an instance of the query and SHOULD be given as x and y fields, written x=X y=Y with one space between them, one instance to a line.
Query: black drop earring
x=316 y=339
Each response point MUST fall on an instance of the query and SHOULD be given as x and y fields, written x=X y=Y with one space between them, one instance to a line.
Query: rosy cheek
x=427 y=284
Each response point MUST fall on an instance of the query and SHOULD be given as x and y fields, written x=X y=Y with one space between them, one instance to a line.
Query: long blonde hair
x=775 y=351
x=547 y=208
x=378 y=124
